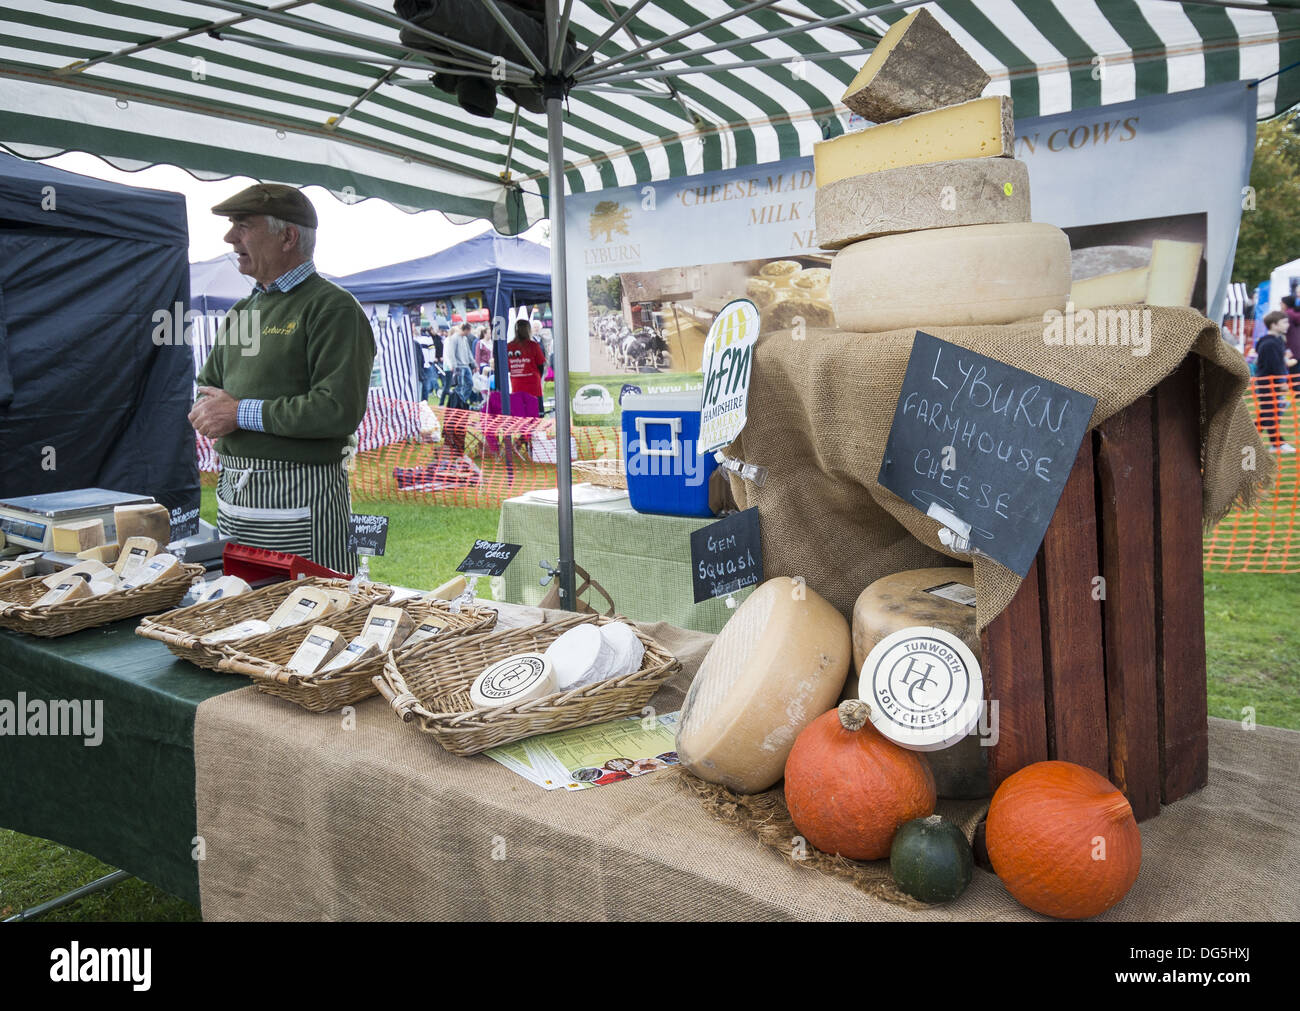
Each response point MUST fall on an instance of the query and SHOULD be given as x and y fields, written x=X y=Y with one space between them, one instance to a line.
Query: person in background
x=459 y=358
x=428 y=361
x=483 y=350
x=1271 y=378
x=1292 y=341
x=527 y=363
x=444 y=356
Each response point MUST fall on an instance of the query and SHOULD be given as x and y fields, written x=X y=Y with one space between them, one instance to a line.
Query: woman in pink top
x=483 y=349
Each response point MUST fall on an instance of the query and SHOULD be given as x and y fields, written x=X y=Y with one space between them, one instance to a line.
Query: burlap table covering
x=819 y=417
x=305 y=820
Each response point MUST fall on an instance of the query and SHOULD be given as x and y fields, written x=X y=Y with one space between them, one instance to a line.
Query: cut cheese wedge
x=305 y=603
x=915 y=67
x=320 y=646
x=983 y=128
x=85 y=570
x=106 y=553
x=135 y=552
x=971 y=191
x=72 y=588
x=242 y=630
x=449 y=590
x=1174 y=266
x=1119 y=288
x=75 y=537
x=160 y=566
x=994 y=273
x=777 y=665
x=149 y=519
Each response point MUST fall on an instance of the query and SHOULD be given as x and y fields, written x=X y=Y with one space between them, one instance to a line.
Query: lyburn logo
x=102 y=965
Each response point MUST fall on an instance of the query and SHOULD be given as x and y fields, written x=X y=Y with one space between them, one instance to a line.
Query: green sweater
x=314 y=354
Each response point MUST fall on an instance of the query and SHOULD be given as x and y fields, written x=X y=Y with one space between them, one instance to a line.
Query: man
x=1271 y=379
x=440 y=347
x=285 y=417
x=459 y=361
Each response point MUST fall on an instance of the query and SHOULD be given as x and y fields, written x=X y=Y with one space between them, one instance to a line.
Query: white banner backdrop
x=1170 y=167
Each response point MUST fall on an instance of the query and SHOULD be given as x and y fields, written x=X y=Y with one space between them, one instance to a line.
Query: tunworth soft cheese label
x=728 y=359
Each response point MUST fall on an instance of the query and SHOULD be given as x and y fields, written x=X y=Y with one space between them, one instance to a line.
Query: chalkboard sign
x=726 y=556
x=989 y=443
x=367 y=535
x=184 y=522
x=489 y=558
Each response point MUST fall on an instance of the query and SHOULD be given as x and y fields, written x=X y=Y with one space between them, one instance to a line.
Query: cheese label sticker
x=924 y=688
x=958 y=593
x=728 y=360
x=510 y=677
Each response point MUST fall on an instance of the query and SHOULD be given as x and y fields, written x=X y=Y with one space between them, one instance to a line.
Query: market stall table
x=326 y=817
x=128 y=800
x=643 y=560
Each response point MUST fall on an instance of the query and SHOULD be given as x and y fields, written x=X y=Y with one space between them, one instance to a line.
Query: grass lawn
x=1252 y=638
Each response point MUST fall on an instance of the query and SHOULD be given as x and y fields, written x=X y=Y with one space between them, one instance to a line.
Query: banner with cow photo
x=1154 y=185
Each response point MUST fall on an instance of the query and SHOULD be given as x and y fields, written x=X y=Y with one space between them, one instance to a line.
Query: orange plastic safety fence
x=1266 y=538
x=467 y=458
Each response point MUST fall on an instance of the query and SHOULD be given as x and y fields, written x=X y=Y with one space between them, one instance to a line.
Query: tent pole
x=559 y=323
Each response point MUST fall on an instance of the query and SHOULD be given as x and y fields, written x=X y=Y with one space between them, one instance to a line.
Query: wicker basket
x=605 y=473
x=264 y=659
x=181 y=630
x=74 y=615
x=431 y=685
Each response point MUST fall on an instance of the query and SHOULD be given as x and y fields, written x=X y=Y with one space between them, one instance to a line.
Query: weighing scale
x=28 y=522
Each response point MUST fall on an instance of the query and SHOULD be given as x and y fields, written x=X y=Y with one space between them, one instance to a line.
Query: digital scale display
x=29 y=521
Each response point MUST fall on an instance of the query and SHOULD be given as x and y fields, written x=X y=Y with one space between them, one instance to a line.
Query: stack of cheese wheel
x=928 y=209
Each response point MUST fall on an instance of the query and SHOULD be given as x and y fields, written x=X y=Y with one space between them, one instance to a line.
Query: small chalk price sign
x=367 y=534
x=489 y=558
x=726 y=556
x=980 y=443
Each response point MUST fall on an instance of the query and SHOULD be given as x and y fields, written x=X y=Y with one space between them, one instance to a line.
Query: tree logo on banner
x=609 y=217
x=728 y=358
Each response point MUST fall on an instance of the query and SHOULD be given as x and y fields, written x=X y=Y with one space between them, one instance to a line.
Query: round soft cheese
x=962 y=276
x=628 y=649
x=515 y=679
x=580 y=655
x=777 y=665
x=939 y=598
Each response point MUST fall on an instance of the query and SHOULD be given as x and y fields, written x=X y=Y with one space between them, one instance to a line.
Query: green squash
x=931 y=860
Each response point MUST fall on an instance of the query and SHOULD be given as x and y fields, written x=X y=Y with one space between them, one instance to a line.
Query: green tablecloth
x=643 y=561
x=130 y=800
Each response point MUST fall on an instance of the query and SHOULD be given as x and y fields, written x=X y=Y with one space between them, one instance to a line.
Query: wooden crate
x=1099 y=659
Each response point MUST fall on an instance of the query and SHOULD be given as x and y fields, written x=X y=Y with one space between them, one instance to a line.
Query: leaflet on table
x=593 y=756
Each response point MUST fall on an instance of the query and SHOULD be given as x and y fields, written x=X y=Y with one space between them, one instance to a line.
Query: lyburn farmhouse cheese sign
x=987 y=443
x=728 y=358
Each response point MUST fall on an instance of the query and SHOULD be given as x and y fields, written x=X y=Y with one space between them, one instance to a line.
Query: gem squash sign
x=728 y=358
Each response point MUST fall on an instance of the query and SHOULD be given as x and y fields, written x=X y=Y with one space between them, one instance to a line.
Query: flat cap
x=284 y=202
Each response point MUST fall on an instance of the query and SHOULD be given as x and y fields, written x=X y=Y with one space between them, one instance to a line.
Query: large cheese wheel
x=971 y=274
x=777 y=665
x=935 y=598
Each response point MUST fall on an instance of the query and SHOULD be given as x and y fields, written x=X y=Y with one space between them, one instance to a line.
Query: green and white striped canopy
x=324 y=92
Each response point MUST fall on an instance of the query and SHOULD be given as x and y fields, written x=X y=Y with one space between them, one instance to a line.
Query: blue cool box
x=661 y=453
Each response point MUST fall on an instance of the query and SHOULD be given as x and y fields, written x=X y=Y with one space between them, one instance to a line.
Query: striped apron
x=301 y=508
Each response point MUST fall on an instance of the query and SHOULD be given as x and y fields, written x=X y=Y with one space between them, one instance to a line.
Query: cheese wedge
x=12 y=570
x=1174 y=266
x=104 y=582
x=972 y=191
x=353 y=652
x=449 y=590
x=72 y=588
x=223 y=587
x=135 y=551
x=149 y=519
x=305 y=603
x=75 y=537
x=386 y=627
x=1003 y=273
x=1118 y=288
x=341 y=599
x=320 y=646
x=160 y=566
x=983 y=128
x=917 y=66
x=427 y=629
x=85 y=570
x=242 y=630
x=106 y=553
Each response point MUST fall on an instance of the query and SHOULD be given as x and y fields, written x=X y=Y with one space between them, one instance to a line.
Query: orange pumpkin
x=849 y=789
x=1063 y=840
